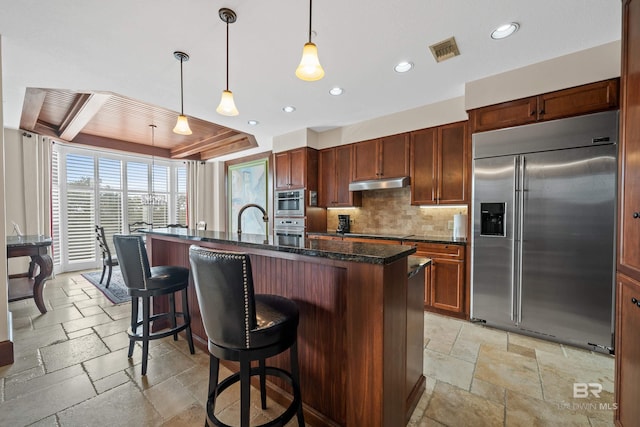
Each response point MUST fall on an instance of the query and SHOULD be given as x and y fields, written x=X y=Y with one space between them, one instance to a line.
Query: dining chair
x=108 y=260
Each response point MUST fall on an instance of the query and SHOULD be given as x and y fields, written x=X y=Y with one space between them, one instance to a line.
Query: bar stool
x=145 y=282
x=244 y=327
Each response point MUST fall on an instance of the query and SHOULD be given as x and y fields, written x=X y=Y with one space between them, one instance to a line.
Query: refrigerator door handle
x=521 y=208
x=514 y=243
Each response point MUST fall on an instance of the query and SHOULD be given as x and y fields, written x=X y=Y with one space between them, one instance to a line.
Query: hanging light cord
x=227 y=19
x=310 y=9
x=181 y=88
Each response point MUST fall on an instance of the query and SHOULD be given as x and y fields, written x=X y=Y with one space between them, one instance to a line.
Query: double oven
x=289 y=222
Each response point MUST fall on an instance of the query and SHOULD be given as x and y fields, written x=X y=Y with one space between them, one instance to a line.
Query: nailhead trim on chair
x=244 y=284
x=144 y=276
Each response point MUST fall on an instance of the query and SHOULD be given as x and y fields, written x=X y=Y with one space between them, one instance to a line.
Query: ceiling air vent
x=445 y=49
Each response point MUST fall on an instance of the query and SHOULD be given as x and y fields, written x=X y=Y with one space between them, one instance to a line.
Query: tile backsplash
x=391 y=212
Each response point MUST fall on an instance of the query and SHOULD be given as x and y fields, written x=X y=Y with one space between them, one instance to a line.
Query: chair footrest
x=282 y=419
x=137 y=336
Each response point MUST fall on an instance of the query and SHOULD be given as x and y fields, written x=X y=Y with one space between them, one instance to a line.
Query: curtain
x=36 y=162
x=205 y=195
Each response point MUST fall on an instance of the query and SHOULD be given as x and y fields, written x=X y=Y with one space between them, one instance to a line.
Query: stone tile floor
x=71 y=369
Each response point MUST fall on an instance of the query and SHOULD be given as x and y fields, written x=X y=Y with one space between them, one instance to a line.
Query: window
x=93 y=187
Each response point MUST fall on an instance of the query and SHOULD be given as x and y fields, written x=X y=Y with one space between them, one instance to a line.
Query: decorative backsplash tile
x=391 y=212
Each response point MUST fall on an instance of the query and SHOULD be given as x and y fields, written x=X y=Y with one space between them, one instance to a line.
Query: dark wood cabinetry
x=584 y=99
x=444 y=287
x=335 y=175
x=381 y=158
x=296 y=169
x=627 y=351
x=628 y=284
x=438 y=158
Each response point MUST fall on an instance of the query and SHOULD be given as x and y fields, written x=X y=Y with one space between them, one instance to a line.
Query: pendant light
x=151 y=198
x=309 y=69
x=227 y=106
x=182 y=125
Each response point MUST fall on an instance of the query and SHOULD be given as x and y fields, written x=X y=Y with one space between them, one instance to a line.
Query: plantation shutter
x=181 y=195
x=55 y=208
x=80 y=202
x=111 y=197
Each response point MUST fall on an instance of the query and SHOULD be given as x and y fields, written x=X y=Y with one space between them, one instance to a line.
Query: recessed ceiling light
x=336 y=91
x=253 y=122
x=403 y=67
x=289 y=109
x=505 y=30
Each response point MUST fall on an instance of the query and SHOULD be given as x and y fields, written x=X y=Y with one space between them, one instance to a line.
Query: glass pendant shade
x=227 y=106
x=182 y=126
x=309 y=69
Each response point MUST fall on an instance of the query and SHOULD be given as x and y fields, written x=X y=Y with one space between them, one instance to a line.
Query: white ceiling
x=126 y=46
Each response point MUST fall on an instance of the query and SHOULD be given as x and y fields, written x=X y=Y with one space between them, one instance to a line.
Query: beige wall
x=5 y=332
x=587 y=66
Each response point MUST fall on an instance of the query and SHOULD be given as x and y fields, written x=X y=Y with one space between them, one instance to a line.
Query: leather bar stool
x=244 y=327
x=145 y=282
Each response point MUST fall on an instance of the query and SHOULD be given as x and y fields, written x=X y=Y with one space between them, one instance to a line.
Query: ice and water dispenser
x=492 y=219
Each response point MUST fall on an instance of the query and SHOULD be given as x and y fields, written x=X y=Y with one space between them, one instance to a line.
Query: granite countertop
x=400 y=237
x=369 y=253
x=29 y=240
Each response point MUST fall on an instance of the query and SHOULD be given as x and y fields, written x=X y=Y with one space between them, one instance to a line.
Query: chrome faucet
x=265 y=217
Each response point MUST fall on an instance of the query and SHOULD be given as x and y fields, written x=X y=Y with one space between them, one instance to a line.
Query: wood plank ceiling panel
x=95 y=118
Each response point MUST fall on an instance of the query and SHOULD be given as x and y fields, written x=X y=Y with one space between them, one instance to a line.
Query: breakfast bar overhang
x=361 y=326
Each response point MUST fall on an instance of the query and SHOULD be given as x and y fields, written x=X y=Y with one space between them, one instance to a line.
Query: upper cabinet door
x=282 y=171
x=365 y=165
x=297 y=168
x=327 y=171
x=424 y=144
x=512 y=113
x=584 y=99
x=452 y=162
x=344 y=197
x=394 y=156
x=629 y=170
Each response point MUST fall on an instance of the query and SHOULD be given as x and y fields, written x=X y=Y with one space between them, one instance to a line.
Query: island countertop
x=369 y=253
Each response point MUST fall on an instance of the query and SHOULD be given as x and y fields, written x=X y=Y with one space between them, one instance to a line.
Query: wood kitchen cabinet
x=627 y=351
x=438 y=159
x=335 y=175
x=627 y=347
x=589 y=98
x=444 y=287
x=295 y=169
x=381 y=158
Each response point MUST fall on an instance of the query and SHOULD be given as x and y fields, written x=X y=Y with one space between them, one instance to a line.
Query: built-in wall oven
x=289 y=231
x=289 y=203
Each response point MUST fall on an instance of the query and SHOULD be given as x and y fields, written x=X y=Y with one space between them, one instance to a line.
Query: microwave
x=289 y=203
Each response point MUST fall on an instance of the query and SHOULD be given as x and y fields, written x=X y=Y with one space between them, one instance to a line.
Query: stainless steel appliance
x=289 y=231
x=289 y=203
x=543 y=257
x=344 y=224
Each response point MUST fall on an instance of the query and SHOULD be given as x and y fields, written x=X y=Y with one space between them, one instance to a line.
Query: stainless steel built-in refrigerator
x=543 y=255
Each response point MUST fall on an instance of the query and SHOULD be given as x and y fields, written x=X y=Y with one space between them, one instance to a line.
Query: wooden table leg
x=46 y=268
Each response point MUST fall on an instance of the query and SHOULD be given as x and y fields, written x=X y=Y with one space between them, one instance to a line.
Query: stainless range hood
x=379 y=184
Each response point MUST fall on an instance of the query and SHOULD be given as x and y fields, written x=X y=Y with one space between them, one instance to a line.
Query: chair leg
x=145 y=333
x=104 y=268
x=263 y=384
x=187 y=320
x=134 y=320
x=245 y=389
x=295 y=374
x=172 y=311
x=214 y=368
x=108 y=276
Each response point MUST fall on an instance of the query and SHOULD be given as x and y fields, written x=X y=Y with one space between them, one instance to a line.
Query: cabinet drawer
x=439 y=250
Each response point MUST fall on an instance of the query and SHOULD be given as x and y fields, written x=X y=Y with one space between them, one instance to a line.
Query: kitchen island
x=361 y=320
